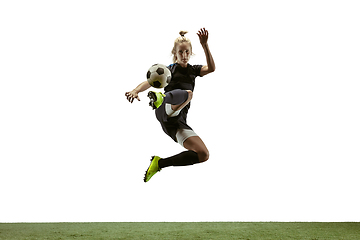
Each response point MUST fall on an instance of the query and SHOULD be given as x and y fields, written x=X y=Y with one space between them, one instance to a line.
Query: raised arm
x=210 y=67
x=134 y=93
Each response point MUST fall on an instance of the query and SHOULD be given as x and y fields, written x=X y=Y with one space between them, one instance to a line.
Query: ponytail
x=182 y=33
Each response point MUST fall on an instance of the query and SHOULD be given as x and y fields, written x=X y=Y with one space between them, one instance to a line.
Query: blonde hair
x=179 y=40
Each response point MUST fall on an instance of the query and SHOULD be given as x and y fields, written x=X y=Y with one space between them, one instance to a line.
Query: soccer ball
x=158 y=76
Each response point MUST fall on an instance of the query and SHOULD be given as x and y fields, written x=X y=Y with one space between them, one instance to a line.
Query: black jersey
x=183 y=78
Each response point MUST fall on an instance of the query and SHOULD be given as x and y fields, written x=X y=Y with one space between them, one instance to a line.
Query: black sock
x=181 y=159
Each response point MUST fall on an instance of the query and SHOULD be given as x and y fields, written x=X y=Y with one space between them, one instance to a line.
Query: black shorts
x=171 y=121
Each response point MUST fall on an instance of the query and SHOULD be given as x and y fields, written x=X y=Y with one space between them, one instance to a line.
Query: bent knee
x=203 y=155
x=190 y=94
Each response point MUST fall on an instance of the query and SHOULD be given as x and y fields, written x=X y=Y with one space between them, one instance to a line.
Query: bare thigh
x=195 y=144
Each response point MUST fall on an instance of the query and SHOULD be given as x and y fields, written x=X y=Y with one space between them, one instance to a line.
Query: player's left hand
x=203 y=36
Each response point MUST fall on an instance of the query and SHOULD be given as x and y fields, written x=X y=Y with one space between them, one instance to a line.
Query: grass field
x=183 y=230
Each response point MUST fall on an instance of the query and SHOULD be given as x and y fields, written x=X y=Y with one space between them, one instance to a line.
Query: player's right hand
x=131 y=96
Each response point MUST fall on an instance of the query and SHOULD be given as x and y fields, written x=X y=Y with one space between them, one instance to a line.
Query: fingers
x=203 y=35
x=203 y=32
x=130 y=97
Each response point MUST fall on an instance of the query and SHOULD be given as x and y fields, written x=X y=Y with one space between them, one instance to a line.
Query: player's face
x=183 y=53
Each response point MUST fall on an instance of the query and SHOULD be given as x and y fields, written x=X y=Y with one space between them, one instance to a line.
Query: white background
x=280 y=115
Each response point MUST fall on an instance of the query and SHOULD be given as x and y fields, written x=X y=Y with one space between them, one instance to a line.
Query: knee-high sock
x=182 y=159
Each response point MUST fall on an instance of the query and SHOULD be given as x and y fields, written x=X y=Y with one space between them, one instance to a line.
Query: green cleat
x=153 y=168
x=156 y=99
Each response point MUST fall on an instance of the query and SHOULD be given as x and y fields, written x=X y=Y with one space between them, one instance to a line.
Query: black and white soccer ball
x=158 y=76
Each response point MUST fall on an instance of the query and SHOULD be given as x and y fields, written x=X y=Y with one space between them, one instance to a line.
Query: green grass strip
x=182 y=230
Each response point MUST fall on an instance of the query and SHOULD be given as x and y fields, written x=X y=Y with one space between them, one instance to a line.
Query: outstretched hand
x=203 y=36
x=131 y=96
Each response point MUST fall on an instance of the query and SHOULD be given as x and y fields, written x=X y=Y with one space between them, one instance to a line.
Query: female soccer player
x=172 y=107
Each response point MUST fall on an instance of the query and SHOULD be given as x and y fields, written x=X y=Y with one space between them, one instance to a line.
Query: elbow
x=212 y=66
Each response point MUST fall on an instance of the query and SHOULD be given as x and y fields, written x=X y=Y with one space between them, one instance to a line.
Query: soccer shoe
x=156 y=99
x=153 y=168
